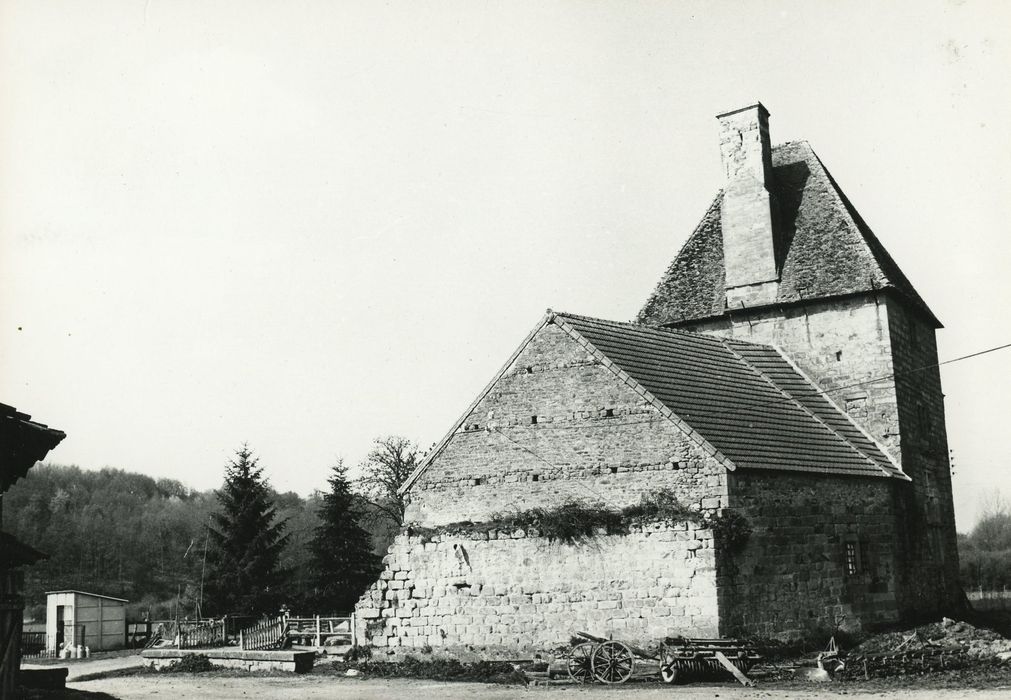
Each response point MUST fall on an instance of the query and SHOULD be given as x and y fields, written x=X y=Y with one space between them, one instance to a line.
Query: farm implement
x=677 y=660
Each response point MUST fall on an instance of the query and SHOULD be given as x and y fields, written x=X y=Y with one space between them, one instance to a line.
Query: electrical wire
x=918 y=369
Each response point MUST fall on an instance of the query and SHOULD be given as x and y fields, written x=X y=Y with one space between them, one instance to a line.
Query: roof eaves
x=632 y=383
x=437 y=450
x=93 y=595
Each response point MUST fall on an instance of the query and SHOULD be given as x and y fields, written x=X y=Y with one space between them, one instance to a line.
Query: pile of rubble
x=946 y=635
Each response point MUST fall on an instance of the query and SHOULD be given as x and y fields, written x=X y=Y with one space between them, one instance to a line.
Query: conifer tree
x=343 y=562
x=243 y=575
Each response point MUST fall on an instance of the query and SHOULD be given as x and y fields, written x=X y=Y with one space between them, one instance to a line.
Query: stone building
x=784 y=371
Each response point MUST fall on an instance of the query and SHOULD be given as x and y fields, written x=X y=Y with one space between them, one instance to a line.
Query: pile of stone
x=946 y=635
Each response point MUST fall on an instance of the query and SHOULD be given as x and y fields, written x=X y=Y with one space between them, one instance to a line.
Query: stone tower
x=782 y=257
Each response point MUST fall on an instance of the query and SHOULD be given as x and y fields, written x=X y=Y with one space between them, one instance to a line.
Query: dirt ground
x=307 y=687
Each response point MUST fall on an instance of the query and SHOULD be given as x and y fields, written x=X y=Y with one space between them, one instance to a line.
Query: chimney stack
x=748 y=212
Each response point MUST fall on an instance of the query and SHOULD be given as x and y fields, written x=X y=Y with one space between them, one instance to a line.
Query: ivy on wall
x=579 y=521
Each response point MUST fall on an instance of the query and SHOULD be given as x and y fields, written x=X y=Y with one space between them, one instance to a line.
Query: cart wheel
x=579 y=666
x=669 y=671
x=612 y=662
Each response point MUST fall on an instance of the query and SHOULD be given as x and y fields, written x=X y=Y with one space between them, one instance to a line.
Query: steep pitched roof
x=829 y=249
x=745 y=403
x=745 y=399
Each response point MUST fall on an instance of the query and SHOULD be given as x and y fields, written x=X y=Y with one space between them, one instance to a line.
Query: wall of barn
x=594 y=439
x=513 y=592
x=822 y=554
x=558 y=426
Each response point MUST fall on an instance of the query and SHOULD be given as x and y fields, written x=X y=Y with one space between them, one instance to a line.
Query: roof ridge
x=679 y=332
x=789 y=397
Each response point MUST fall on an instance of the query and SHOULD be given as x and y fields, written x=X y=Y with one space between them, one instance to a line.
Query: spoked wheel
x=612 y=662
x=669 y=671
x=579 y=666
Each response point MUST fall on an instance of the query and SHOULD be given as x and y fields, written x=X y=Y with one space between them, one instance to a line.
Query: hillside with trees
x=129 y=535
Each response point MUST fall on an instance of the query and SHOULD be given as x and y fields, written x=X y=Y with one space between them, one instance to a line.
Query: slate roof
x=829 y=249
x=747 y=400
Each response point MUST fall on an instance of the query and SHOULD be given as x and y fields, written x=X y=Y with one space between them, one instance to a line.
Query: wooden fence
x=316 y=631
x=989 y=600
x=210 y=633
x=269 y=634
x=33 y=645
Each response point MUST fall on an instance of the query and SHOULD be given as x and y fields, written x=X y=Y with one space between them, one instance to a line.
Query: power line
x=918 y=369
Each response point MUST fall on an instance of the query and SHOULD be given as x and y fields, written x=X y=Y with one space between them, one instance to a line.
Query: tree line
x=984 y=553
x=244 y=548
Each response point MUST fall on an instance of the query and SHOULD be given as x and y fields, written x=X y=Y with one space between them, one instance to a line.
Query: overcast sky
x=306 y=224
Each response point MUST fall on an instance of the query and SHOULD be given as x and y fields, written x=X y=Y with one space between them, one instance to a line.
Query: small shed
x=90 y=619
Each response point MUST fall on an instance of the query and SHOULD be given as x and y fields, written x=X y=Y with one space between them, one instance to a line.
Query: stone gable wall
x=791 y=578
x=595 y=439
x=509 y=593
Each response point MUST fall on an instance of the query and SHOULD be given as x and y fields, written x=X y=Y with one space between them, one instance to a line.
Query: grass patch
x=575 y=521
x=436 y=670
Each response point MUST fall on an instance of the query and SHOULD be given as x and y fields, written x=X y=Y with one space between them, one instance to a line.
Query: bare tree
x=383 y=472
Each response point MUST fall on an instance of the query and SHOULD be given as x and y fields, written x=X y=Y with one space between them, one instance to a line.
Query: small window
x=533 y=420
x=535 y=477
x=852 y=558
x=477 y=481
x=838 y=355
x=614 y=470
x=609 y=413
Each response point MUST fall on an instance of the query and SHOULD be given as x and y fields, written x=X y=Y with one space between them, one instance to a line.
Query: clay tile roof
x=829 y=249
x=745 y=399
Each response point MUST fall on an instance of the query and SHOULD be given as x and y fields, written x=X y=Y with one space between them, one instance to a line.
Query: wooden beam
x=726 y=663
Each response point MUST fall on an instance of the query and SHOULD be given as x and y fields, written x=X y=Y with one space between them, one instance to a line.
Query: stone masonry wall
x=842 y=344
x=508 y=593
x=929 y=580
x=791 y=580
x=559 y=426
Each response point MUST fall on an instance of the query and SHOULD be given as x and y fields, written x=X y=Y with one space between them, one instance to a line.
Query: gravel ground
x=322 y=686
x=308 y=687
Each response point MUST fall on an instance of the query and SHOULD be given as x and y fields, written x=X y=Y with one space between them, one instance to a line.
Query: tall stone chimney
x=748 y=212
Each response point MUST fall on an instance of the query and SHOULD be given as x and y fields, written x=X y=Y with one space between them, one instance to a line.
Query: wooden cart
x=678 y=659
x=609 y=661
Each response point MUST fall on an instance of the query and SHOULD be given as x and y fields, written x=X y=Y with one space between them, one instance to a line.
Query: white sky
x=306 y=224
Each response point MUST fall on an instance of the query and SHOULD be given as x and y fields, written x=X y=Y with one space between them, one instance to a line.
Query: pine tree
x=343 y=562
x=243 y=575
